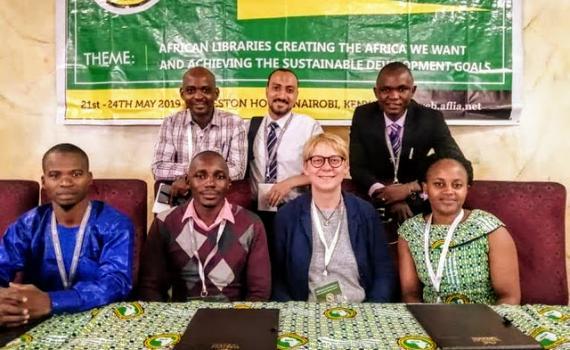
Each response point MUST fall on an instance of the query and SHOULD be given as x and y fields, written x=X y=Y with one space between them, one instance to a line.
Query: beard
x=281 y=112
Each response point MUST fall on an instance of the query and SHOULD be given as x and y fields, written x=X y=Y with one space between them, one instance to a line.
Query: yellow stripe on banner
x=155 y=104
x=255 y=9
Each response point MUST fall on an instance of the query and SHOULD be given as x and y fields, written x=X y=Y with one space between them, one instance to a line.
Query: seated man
x=199 y=127
x=75 y=254
x=391 y=137
x=206 y=248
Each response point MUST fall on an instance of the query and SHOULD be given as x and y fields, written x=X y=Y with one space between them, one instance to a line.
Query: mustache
x=280 y=100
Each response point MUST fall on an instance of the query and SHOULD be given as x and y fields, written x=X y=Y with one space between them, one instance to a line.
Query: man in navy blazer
x=390 y=138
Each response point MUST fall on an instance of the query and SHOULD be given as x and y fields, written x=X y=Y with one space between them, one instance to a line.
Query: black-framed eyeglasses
x=319 y=161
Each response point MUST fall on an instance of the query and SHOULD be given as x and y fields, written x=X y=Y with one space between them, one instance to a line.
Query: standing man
x=198 y=128
x=75 y=254
x=206 y=248
x=277 y=160
x=390 y=138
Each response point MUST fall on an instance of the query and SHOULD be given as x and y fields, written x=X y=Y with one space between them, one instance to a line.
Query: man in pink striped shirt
x=199 y=127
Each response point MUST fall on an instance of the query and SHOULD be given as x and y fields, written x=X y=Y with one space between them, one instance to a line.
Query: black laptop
x=469 y=326
x=231 y=329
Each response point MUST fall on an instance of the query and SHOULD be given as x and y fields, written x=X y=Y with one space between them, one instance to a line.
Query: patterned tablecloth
x=140 y=325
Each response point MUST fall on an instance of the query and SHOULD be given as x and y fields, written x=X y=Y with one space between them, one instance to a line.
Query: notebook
x=469 y=326
x=230 y=329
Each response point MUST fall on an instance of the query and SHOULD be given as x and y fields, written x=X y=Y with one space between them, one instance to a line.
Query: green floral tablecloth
x=140 y=325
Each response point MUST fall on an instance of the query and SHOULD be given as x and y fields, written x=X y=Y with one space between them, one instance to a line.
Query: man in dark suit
x=390 y=138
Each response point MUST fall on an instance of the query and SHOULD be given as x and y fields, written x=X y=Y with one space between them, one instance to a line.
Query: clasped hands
x=20 y=303
x=394 y=196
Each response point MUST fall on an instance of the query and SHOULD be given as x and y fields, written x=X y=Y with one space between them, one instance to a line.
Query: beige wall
x=537 y=149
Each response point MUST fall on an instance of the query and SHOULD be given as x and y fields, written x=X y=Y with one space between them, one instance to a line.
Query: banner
x=122 y=61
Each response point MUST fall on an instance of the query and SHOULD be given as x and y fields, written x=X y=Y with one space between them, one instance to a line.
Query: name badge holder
x=66 y=280
x=436 y=277
x=202 y=267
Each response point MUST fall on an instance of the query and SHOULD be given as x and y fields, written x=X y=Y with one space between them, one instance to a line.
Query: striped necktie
x=395 y=140
x=271 y=170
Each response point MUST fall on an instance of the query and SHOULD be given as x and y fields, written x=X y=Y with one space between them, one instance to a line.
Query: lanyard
x=189 y=135
x=395 y=160
x=202 y=267
x=279 y=138
x=437 y=277
x=76 y=250
x=329 y=249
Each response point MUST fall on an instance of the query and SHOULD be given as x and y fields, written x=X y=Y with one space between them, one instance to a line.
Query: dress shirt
x=289 y=154
x=104 y=272
x=389 y=122
x=225 y=134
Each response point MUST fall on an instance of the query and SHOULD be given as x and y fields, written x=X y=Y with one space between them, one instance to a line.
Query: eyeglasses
x=319 y=161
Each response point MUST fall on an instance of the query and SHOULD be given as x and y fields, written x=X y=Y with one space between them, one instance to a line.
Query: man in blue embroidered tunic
x=75 y=254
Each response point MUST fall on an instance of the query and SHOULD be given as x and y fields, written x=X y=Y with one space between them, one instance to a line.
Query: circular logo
x=290 y=341
x=128 y=311
x=553 y=314
x=162 y=340
x=337 y=313
x=416 y=342
x=126 y=7
x=546 y=338
x=457 y=298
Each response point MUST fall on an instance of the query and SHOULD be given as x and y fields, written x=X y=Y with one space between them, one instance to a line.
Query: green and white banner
x=121 y=61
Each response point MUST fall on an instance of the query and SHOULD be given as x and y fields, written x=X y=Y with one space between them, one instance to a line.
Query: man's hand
x=37 y=302
x=278 y=192
x=400 y=211
x=393 y=193
x=12 y=310
x=179 y=188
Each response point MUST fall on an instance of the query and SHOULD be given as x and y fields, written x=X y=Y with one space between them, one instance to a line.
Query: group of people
x=307 y=239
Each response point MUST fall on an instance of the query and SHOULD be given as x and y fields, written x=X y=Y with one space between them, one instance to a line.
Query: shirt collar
x=224 y=214
x=281 y=121
x=400 y=120
x=216 y=118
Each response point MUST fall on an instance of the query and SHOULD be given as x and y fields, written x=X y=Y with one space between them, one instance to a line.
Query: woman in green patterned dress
x=478 y=256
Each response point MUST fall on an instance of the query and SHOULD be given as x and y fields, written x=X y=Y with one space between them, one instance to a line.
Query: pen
x=411 y=153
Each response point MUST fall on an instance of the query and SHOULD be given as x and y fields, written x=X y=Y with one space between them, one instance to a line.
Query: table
x=142 y=325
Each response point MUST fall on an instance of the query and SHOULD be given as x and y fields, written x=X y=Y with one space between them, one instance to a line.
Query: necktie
x=271 y=171
x=394 y=135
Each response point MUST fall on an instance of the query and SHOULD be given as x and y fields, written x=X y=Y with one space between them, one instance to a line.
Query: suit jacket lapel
x=306 y=223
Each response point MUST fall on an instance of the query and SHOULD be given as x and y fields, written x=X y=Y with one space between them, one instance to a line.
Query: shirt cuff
x=64 y=301
x=375 y=187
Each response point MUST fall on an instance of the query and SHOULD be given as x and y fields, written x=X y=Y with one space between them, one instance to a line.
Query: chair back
x=239 y=193
x=534 y=214
x=17 y=197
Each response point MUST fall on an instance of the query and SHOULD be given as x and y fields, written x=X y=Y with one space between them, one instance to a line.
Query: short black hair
x=209 y=155
x=200 y=70
x=65 y=148
x=286 y=70
x=436 y=157
x=395 y=66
